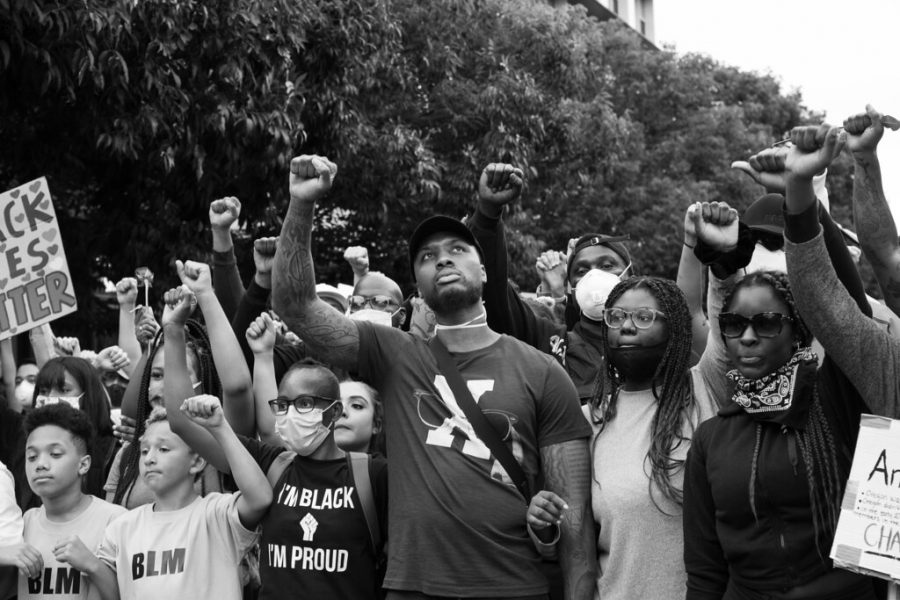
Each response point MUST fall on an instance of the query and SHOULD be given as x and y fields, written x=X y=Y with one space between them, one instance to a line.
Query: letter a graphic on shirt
x=455 y=431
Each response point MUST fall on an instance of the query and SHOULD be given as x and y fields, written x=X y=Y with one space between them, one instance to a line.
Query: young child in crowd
x=67 y=529
x=184 y=545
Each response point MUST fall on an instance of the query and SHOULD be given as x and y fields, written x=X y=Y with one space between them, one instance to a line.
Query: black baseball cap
x=440 y=224
x=766 y=214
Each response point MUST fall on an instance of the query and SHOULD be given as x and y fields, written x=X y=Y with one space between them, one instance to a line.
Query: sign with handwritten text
x=35 y=285
x=867 y=539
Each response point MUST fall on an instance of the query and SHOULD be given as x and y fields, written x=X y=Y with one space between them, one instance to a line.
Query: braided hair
x=197 y=342
x=671 y=386
x=824 y=473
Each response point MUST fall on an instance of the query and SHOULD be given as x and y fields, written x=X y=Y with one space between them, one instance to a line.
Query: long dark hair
x=94 y=402
x=198 y=344
x=671 y=386
x=824 y=473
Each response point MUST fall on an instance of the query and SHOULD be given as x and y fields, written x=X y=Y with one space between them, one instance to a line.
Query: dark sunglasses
x=766 y=324
x=376 y=302
x=302 y=403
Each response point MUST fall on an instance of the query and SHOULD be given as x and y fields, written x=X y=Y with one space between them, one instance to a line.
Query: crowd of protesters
x=616 y=435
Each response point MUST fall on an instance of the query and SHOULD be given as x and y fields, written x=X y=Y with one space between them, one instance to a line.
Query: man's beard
x=444 y=302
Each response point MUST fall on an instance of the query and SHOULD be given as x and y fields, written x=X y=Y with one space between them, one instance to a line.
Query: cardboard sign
x=867 y=539
x=35 y=285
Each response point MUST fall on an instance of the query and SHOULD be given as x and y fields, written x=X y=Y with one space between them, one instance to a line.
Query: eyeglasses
x=302 y=403
x=377 y=302
x=642 y=317
x=766 y=324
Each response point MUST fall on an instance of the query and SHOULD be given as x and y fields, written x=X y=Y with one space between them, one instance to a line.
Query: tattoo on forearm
x=328 y=334
x=567 y=472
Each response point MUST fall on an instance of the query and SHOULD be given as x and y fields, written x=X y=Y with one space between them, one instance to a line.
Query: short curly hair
x=65 y=417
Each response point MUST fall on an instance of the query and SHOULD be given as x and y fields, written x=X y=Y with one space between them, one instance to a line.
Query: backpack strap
x=278 y=466
x=359 y=467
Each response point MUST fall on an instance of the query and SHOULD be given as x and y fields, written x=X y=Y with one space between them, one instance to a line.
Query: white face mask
x=379 y=317
x=764 y=259
x=25 y=393
x=592 y=291
x=44 y=400
x=303 y=432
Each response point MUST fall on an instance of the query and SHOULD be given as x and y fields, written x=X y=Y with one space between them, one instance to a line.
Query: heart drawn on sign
x=53 y=249
x=19 y=218
x=49 y=235
x=45 y=204
x=35 y=186
x=40 y=273
x=26 y=277
x=14 y=193
x=3 y=282
x=2 y=247
x=13 y=330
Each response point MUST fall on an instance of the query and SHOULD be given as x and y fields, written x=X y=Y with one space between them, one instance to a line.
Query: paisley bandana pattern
x=773 y=392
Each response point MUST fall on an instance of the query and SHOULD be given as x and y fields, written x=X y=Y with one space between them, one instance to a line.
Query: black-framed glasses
x=765 y=324
x=378 y=302
x=642 y=317
x=302 y=403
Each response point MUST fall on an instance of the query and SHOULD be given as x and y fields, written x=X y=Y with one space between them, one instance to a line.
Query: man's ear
x=483 y=275
x=399 y=318
x=84 y=464
x=330 y=418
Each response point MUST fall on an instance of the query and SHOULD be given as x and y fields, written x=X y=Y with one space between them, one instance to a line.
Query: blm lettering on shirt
x=308 y=557
x=154 y=563
x=56 y=580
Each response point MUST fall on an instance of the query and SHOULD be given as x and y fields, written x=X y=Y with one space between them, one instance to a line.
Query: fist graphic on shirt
x=309 y=525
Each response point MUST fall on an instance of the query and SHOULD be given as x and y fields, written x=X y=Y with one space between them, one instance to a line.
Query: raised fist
x=311 y=177
x=224 y=212
x=195 y=275
x=204 y=410
x=264 y=254
x=864 y=131
x=500 y=184
x=112 y=358
x=180 y=303
x=551 y=268
x=126 y=292
x=261 y=334
x=813 y=150
x=358 y=258
x=716 y=224
x=67 y=346
x=145 y=325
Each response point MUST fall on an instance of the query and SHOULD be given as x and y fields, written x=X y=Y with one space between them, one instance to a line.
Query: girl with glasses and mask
x=765 y=478
x=315 y=536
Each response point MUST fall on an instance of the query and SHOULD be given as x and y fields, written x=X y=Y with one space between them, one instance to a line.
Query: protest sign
x=35 y=285
x=867 y=539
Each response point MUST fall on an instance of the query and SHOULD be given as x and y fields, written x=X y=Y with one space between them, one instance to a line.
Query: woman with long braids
x=124 y=486
x=765 y=477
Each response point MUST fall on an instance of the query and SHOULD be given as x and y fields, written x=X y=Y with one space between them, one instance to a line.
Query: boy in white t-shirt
x=184 y=545
x=70 y=524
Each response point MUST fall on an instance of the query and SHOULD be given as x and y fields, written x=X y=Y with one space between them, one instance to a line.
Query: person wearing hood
x=595 y=265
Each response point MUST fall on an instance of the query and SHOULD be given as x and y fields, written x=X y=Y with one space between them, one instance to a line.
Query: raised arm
x=237 y=389
x=8 y=365
x=358 y=259
x=126 y=295
x=261 y=340
x=229 y=289
x=329 y=335
x=177 y=385
x=690 y=282
x=567 y=472
x=874 y=221
x=852 y=340
x=256 y=492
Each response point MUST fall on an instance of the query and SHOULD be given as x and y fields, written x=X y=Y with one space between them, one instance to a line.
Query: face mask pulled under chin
x=25 y=394
x=303 y=432
x=379 y=317
x=592 y=291
x=764 y=259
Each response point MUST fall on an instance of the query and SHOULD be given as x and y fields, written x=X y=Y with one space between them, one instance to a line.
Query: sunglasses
x=766 y=324
x=642 y=317
x=302 y=403
x=376 y=302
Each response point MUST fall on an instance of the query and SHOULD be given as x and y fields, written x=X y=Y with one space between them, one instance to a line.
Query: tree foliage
x=141 y=113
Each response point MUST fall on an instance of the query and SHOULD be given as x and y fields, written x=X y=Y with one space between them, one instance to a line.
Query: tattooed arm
x=567 y=473
x=877 y=232
x=329 y=335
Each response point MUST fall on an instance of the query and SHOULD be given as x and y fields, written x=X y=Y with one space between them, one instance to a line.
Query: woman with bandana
x=765 y=477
